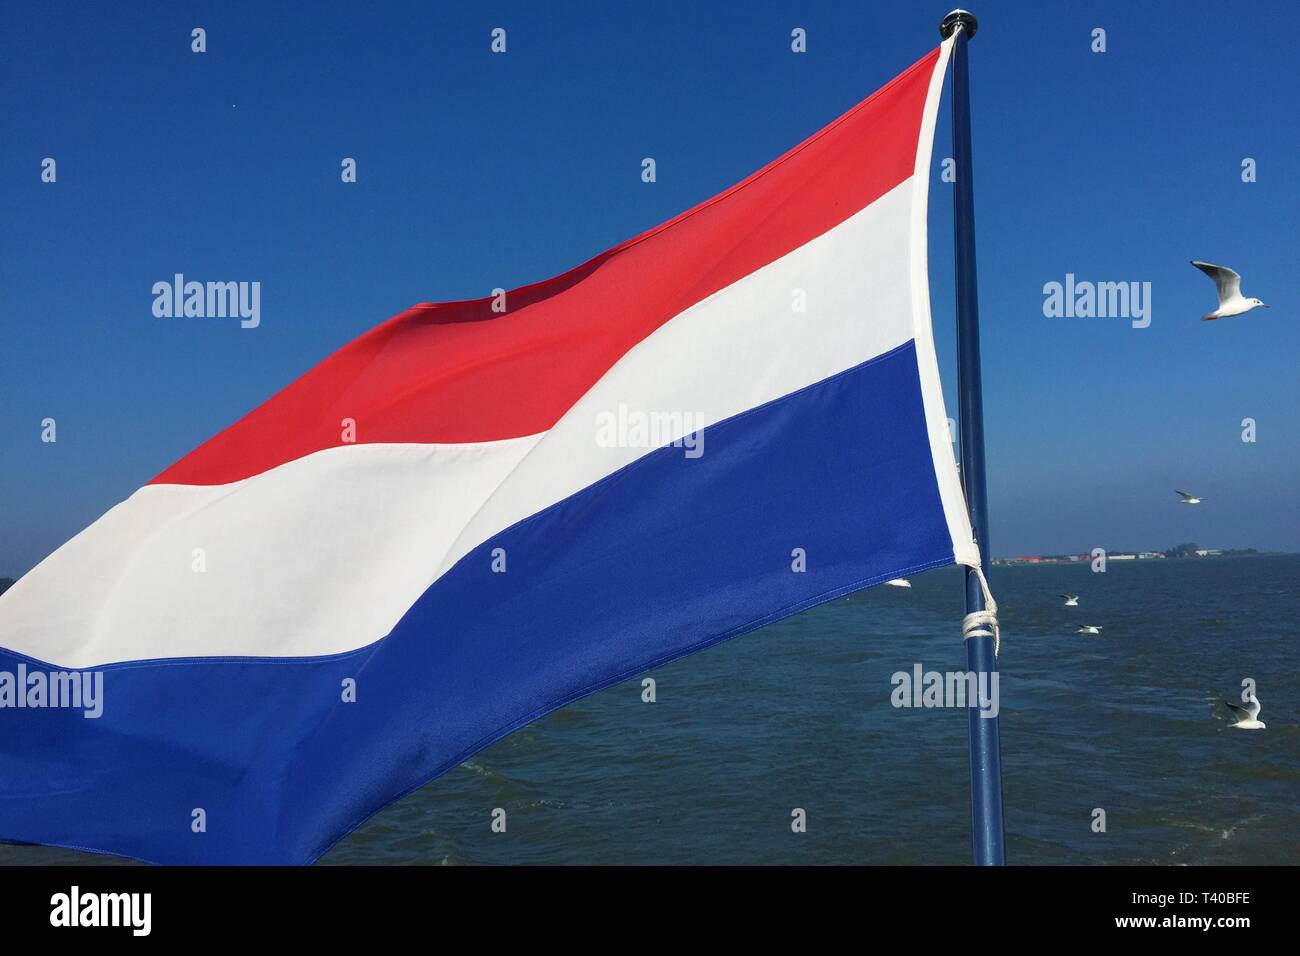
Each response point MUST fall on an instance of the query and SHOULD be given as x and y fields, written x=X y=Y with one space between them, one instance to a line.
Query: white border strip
x=964 y=549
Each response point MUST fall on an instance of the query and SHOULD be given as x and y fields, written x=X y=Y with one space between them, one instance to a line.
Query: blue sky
x=477 y=171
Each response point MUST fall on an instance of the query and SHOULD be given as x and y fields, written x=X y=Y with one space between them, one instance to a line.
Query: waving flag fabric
x=480 y=511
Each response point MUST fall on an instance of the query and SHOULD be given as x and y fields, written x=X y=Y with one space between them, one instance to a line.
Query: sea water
x=798 y=717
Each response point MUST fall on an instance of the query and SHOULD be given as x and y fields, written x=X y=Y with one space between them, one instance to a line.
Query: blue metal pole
x=985 y=759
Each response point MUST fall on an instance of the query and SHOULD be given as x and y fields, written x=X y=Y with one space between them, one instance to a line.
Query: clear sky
x=478 y=170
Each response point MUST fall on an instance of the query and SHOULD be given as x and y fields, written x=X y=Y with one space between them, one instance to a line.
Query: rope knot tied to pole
x=983 y=623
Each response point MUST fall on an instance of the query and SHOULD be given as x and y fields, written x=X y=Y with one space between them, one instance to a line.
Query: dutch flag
x=480 y=511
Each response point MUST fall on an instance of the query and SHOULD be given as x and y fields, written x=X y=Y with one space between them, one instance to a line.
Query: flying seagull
x=1231 y=301
x=1248 y=716
x=1071 y=600
x=1089 y=629
x=1188 y=497
x=899 y=583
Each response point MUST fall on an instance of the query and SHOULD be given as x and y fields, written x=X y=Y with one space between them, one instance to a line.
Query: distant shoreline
x=1029 y=561
x=1202 y=554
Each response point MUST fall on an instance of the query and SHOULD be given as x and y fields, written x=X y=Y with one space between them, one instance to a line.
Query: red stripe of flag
x=459 y=372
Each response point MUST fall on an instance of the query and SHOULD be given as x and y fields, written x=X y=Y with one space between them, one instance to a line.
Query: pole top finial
x=964 y=18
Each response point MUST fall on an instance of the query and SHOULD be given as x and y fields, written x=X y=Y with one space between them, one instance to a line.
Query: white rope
x=978 y=623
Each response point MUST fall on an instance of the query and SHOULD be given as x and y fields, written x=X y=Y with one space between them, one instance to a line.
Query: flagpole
x=985 y=759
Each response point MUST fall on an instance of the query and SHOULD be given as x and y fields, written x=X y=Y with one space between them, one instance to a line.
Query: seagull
x=1089 y=629
x=1247 y=717
x=1231 y=301
x=899 y=583
x=1188 y=497
x=1071 y=600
